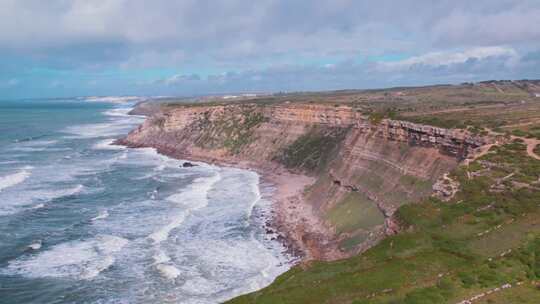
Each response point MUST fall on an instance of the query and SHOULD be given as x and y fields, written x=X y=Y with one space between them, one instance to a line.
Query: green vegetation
x=355 y=212
x=376 y=116
x=354 y=216
x=404 y=188
x=437 y=121
x=486 y=236
x=232 y=131
x=313 y=150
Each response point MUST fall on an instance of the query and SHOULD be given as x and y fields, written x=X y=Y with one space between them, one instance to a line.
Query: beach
x=294 y=221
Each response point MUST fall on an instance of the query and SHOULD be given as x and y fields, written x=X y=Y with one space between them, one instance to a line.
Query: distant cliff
x=364 y=169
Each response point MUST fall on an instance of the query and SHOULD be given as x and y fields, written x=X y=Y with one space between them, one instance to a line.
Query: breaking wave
x=81 y=260
x=193 y=198
x=113 y=99
x=102 y=215
x=15 y=178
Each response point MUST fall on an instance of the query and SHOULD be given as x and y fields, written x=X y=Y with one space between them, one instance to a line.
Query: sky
x=60 y=48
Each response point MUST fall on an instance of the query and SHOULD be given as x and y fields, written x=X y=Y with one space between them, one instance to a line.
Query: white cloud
x=516 y=22
x=446 y=58
x=241 y=32
x=271 y=44
x=180 y=78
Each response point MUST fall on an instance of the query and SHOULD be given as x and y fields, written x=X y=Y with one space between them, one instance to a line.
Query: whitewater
x=84 y=220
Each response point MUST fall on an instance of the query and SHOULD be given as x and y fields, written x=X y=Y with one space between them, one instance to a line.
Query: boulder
x=188 y=165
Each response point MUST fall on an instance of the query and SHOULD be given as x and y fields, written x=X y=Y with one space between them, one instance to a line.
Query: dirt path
x=531 y=144
x=521 y=124
x=483 y=150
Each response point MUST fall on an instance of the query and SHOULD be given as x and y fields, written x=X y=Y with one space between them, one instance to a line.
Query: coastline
x=292 y=220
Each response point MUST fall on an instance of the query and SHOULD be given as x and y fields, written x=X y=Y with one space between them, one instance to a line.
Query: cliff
x=363 y=169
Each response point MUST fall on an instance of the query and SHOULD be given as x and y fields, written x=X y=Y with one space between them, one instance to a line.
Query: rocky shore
x=293 y=221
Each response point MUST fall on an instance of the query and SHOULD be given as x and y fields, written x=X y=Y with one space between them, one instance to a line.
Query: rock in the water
x=188 y=165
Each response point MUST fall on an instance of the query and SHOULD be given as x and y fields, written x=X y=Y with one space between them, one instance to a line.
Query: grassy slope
x=451 y=250
x=355 y=216
x=355 y=212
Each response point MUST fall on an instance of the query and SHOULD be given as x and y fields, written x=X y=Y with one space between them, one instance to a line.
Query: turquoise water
x=83 y=221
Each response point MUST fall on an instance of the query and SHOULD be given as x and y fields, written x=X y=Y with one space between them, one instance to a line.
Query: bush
x=520 y=133
x=467 y=279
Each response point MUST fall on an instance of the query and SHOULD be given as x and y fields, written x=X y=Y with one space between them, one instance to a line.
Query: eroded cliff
x=363 y=169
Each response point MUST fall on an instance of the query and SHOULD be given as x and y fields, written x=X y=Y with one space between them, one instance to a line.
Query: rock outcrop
x=363 y=174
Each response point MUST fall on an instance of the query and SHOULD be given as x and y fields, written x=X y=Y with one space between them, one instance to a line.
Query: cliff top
x=501 y=105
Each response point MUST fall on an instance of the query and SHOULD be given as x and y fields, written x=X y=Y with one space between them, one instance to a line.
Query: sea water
x=85 y=221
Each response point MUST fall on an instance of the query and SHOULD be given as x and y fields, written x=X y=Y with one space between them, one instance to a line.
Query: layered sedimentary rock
x=372 y=170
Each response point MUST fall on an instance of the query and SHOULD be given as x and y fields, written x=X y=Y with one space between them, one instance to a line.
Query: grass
x=440 y=257
x=352 y=241
x=524 y=294
x=508 y=236
x=355 y=212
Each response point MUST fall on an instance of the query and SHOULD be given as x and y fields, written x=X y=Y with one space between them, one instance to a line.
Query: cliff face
x=363 y=170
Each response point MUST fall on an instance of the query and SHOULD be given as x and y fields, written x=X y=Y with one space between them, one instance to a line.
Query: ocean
x=84 y=221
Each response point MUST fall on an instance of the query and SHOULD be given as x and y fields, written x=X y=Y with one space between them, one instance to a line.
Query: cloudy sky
x=187 y=47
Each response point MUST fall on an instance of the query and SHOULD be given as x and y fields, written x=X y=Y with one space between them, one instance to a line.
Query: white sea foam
x=160 y=257
x=54 y=194
x=107 y=144
x=35 y=246
x=45 y=142
x=255 y=189
x=15 y=178
x=98 y=130
x=34 y=143
x=34 y=197
x=102 y=215
x=38 y=206
x=202 y=286
x=9 y=162
x=163 y=233
x=113 y=99
x=168 y=271
x=28 y=149
x=34 y=146
x=222 y=259
x=77 y=259
x=150 y=157
x=118 y=112
x=123 y=156
x=196 y=194
x=119 y=124
x=193 y=198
